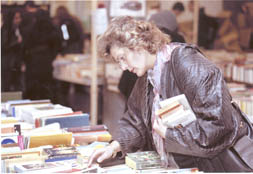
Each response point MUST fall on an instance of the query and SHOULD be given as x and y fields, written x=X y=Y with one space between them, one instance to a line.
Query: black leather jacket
x=218 y=124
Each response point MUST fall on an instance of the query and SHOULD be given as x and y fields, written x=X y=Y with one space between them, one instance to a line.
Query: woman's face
x=133 y=61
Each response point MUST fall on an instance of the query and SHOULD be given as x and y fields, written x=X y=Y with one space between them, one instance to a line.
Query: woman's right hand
x=107 y=152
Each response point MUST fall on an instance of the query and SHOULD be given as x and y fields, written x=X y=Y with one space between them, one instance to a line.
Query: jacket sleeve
x=216 y=125
x=132 y=132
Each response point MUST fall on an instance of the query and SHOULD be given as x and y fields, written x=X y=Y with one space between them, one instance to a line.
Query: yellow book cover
x=53 y=139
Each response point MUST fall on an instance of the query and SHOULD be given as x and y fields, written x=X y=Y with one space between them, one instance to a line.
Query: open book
x=176 y=112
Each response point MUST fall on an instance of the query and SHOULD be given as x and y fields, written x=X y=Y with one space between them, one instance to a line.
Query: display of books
x=143 y=160
x=76 y=68
x=54 y=146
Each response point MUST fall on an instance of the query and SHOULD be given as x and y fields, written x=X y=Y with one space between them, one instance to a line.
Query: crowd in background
x=31 y=40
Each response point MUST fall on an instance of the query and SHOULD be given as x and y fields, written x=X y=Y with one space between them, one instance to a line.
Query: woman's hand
x=107 y=152
x=159 y=127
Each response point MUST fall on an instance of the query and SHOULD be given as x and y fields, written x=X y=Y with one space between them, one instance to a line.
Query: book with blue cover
x=67 y=121
x=60 y=153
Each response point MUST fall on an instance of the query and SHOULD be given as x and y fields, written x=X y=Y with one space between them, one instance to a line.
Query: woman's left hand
x=159 y=127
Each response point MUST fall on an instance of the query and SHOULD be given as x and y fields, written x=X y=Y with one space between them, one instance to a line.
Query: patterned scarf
x=154 y=76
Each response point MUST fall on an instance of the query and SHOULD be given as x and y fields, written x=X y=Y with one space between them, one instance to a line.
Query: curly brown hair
x=125 y=31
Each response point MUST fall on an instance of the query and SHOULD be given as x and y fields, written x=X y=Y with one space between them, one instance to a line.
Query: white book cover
x=180 y=98
x=181 y=117
x=29 y=114
x=17 y=111
x=44 y=167
x=12 y=109
x=45 y=130
x=6 y=105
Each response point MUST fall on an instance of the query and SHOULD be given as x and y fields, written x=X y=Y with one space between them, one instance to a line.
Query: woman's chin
x=139 y=73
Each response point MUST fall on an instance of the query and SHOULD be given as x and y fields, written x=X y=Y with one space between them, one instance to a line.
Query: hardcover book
x=67 y=121
x=30 y=114
x=88 y=128
x=39 y=121
x=143 y=160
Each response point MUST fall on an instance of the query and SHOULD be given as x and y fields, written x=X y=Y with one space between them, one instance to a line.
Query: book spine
x=92 y=138
x=61 y=158
x=21 y=142
x=87 y=128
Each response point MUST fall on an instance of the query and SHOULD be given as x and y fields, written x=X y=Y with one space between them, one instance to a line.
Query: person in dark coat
x=41 y=46
x=12 y=52
x=218 y=140
x=71 y=34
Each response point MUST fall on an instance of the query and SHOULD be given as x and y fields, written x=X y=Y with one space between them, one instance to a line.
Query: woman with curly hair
x=165 y=70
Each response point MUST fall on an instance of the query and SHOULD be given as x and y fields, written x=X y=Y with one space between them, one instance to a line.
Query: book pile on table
x=38 y=136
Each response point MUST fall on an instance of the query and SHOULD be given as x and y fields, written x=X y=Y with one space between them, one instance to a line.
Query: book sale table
x=76 y=68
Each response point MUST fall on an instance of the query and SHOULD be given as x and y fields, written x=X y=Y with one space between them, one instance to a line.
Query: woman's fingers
x=107 y=154
x=100 y=155
x=95 y=155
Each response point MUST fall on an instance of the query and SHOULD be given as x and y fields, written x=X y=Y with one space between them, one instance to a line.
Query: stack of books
x=38 y=136
x=48 y=135
x=17 y=157
x=175 y=112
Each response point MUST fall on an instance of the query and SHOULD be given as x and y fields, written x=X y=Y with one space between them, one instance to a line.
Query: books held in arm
x=176 y=112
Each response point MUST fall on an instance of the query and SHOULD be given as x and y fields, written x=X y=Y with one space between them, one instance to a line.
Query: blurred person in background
x=41 y=44
x=168 y=18
x=71 y=34
x=12 y=51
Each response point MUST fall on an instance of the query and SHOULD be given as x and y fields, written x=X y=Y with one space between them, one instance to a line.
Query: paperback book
x=44 y=168
x=143 y=160
x=60 y=153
